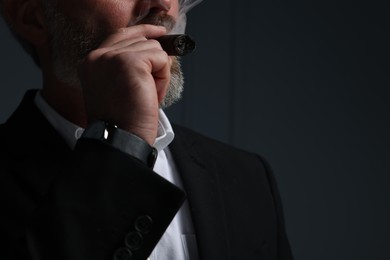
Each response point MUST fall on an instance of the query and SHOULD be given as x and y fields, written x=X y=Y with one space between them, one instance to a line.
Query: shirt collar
x=165 y=134
x=71 y=132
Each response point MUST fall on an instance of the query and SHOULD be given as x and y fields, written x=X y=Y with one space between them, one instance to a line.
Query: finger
x=161 y=71
x=130 y=46
x=143 y=30
x=152 y=65
x=126 y=42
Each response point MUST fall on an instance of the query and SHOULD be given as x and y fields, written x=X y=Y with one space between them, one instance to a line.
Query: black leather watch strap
x=122 y=140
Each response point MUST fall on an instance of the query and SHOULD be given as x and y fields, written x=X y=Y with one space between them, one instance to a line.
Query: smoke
x=185 y=7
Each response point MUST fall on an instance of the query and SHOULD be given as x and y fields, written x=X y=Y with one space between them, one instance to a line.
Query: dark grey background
x=305 y=84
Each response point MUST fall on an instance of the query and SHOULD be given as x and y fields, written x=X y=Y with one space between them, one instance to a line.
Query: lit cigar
x=177 y=44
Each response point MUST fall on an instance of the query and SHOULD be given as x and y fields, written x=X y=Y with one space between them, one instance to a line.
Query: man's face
x=78 y=26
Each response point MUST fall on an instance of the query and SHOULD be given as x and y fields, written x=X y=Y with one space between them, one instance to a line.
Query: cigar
x=177 y=44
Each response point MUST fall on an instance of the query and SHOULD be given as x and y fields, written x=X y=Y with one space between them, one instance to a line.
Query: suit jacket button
x=123 y=254
x=133 y=240
x=143 y=224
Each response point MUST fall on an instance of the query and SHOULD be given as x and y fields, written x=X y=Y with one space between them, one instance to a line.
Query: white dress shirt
x=179 y=239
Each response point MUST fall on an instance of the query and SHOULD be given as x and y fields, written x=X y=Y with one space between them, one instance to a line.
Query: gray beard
x=70 y=43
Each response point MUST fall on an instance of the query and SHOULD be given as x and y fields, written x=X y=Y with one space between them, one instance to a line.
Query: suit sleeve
x=284 y=249
x=104 y=205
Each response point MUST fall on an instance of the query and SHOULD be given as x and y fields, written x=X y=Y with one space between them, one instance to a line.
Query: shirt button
x=133 y=240
x=123 y=254
x=143 y=224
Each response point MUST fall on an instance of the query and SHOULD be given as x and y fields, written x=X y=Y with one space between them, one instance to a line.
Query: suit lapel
x=202 y=186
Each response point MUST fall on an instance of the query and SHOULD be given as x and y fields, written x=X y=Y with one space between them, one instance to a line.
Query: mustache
x=158 y=19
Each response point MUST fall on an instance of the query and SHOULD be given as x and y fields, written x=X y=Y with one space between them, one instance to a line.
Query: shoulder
x=220 y=153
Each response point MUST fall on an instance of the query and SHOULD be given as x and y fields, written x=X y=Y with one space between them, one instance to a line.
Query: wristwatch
x=122 y=140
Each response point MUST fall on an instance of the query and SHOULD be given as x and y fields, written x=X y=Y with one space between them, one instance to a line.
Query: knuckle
x=145 y=26
x=98 y=54
x=156 y=44
x=165 y=56
x=121 y=31
x=109 y=55
x=92 y=55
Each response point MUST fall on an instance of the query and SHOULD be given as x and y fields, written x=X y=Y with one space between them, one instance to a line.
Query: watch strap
x=125 y=141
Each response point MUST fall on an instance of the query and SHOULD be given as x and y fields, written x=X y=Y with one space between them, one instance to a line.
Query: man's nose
x=153 y=6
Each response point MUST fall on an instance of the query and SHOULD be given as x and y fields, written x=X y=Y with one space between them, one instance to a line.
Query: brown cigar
x=177 y=44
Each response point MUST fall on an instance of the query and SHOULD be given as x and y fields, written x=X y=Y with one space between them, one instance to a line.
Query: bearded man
x=91 y=167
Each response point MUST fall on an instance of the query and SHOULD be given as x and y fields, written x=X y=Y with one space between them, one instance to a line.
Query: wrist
x=145 y=134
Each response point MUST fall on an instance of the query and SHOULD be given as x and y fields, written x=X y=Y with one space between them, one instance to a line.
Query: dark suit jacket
x=83 y=204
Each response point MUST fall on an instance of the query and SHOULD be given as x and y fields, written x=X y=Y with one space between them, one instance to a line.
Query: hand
x=126 y=79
